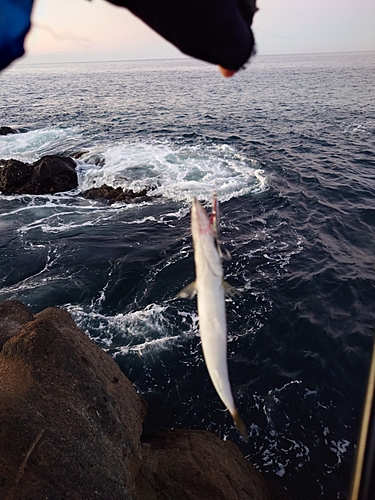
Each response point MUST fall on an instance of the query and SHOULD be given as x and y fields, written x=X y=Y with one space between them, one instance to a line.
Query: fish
x=210 y=289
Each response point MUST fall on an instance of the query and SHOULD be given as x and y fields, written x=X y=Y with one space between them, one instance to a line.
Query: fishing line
x=62 y=36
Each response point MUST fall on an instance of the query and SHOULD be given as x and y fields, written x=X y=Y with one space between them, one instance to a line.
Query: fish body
x=210 y=289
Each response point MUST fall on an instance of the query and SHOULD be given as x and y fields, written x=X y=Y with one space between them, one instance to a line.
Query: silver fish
x=210 y=288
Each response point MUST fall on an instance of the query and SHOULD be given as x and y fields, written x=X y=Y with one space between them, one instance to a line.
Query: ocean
x=289 y=146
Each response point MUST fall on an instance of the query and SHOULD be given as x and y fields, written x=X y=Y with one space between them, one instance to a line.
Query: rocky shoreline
x=71 y=426
x=53 y=174
x=70 y=420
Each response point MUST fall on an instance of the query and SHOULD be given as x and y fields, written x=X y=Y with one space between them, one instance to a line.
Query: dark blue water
x=289 y=145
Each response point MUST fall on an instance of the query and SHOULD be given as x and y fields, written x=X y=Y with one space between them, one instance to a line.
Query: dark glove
x=216 y=31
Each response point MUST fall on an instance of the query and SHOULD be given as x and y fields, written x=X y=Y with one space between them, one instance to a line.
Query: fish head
x=200 y=222
x=206 y=254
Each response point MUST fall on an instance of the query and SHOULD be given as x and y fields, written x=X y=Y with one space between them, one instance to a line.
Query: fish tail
x=240 y=424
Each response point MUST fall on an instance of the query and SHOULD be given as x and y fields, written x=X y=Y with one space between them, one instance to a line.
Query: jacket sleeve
x=216 y=31
x=14 y=25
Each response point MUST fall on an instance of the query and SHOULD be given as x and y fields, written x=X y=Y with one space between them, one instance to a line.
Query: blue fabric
x=14 y=25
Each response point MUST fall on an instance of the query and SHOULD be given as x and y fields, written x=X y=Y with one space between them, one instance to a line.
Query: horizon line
x=22 y=61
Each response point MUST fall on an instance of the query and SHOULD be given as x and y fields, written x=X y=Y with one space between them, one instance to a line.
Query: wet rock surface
x=51 y=174
x=114 y=195
x=55 y=174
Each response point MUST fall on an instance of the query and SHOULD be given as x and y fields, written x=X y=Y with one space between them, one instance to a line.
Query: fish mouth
x=198 y=212
x=198 y=206
x=199 y=217
x=194 y=208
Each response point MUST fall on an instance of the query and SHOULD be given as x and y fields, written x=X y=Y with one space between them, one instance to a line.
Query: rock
x=94 y=159
x=54 y=174
x=49 y=175
x=7 y=130
x=71 y=424
x=77 y=154
x=13 y=315
x=70 y=421
x=13 y=174
x=114 y=195
x=189 y=465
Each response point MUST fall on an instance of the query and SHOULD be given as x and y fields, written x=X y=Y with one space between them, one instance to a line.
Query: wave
x=30 y=146
x=176 y=173
x=143 y=331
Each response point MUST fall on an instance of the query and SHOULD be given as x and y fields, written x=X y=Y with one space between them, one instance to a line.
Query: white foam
x=153 y=345
x=142 y=331
x=30 y=146
x=175 y=172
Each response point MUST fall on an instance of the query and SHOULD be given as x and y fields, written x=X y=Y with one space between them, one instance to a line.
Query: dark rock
x=49 y=175
x=189 y=465
x=7 y=130
x=13 y=175
x=95 y=159
x=114 y=195
x=77 y=154
x=13 y=315
x=54 y=174
x=71 y=423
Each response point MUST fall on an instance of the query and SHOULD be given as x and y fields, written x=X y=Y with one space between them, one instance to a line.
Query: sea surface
x=289 y=146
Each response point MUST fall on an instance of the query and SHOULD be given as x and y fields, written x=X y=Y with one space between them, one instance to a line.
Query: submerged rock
x=114 y=195
x=49 y=175
x=71 y=425
x=77 y=154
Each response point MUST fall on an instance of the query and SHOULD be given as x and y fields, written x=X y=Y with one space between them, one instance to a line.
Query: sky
x=82 y=30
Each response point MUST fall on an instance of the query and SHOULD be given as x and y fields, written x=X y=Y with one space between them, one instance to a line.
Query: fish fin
x=226 y=255
x=189 y=291
x=230 y=290
x=240 y=424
